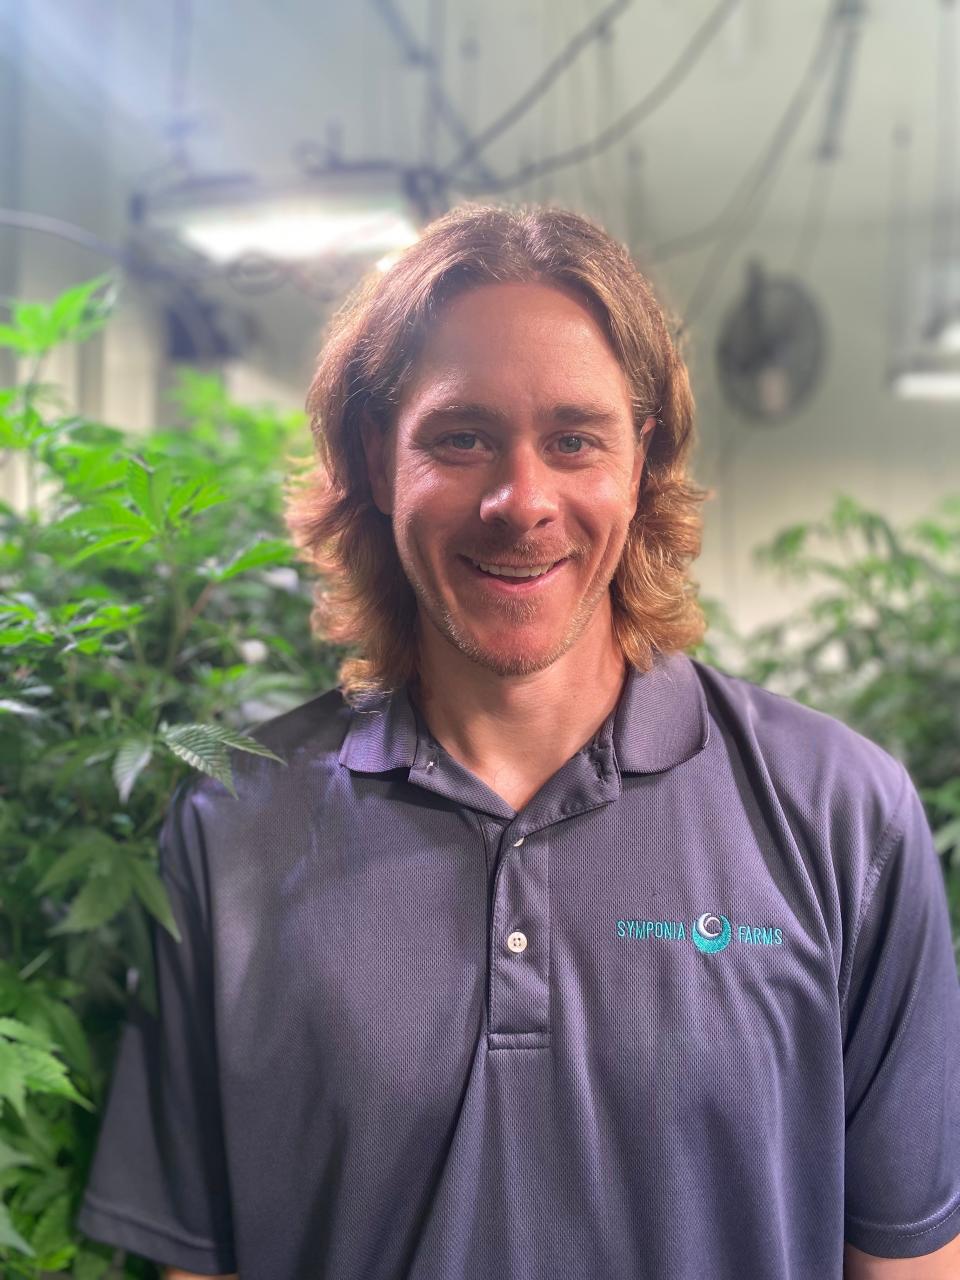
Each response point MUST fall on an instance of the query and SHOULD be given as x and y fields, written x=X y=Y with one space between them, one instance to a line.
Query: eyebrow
x=567 y=414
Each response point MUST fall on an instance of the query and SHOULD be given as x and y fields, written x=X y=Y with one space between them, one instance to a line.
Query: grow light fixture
x=229 y=218
x=928 y=384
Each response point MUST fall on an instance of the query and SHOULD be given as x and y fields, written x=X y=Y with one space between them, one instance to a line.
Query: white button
x=518 y=843
x=517 y=941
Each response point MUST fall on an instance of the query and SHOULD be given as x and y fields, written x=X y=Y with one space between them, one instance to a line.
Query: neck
x=515 y=732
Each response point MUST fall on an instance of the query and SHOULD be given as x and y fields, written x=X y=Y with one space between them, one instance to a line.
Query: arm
x=173 y=1273
x=942 y=1264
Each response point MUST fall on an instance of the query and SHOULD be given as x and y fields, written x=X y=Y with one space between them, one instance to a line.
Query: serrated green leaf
x=130 y=761
x=181 y=498
x=10 y=337
x=133 y=541
x=104 y=617
x=10 y=637
x=43 y=1073
x=104 y=517
x=196 y=735
x=36 y=324
x=268 y=551
x=77 y=308
x=76 y=862
x=210 y=495
x=11 y=1158
x=97 y=902
x=52 y=1231
x=67 y=1030
x=14 y=1029
x=13 y=1075
x=51 y=1183
x=10 y=1237
x=139 y=480
x=200 y=752
x=152 y=892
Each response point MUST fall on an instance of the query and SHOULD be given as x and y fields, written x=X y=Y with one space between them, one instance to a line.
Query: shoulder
x=836 y=804
x=795 y=736
x=816 y=764
x=307 y=739
x=314 y=727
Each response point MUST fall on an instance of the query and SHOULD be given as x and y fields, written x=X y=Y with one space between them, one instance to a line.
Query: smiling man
x=552 y=952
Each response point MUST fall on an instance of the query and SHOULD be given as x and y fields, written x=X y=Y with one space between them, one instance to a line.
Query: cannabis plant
x=878 y=646
x=150 y=611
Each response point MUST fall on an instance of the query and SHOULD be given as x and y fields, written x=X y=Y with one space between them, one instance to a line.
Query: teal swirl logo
x=710 y=932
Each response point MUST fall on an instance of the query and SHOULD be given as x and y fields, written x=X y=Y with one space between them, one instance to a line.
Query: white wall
x=854 y=436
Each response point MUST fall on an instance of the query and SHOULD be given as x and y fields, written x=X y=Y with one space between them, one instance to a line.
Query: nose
x=523 y=492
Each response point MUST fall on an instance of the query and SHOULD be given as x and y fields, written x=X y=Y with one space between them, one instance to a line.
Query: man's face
x=513 y=448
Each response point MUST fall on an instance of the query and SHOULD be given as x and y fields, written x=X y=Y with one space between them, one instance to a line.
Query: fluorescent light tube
x=294 y=231
x=928 y=384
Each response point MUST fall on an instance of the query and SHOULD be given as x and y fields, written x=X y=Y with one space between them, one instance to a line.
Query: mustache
x=525 y=552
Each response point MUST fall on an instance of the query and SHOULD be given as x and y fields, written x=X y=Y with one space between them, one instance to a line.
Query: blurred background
x=786 y=171
x=188 y=189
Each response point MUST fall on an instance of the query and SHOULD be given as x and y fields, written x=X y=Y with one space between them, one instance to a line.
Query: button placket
x=520 y=944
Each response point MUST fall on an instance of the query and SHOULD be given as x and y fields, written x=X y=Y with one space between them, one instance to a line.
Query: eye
x=575 y=443
x=461 y=440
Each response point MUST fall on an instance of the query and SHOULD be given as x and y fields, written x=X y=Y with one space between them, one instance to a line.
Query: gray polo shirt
x=693 y=1011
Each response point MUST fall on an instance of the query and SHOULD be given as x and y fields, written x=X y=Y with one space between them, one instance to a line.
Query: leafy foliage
x=150 y=609
x=878 y=646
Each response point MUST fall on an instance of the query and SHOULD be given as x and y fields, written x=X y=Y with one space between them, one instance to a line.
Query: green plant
x=150 y=608
x=879 y=648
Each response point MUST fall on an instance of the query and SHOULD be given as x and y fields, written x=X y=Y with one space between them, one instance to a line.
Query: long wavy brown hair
x=363 y=598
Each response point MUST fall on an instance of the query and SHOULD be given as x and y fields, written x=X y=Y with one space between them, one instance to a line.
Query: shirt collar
x=660 y=721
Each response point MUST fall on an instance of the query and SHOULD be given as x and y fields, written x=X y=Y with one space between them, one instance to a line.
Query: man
x=551 y=952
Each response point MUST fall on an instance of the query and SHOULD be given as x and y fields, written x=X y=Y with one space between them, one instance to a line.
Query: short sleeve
x=902 y=1051
x=158 y=1182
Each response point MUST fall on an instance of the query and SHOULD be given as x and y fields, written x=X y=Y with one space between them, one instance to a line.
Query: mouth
x=515 y=578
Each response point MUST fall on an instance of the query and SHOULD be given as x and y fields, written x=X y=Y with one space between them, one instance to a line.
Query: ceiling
x=733 y=102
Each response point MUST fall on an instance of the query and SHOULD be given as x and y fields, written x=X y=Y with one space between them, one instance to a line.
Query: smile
x=514 y=579
x=514 y=571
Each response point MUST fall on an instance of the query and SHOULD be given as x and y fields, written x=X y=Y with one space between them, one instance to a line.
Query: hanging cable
x=181 y=299
x=434 y=83
x=64 y=231
x=825 y=163
x=597 y=27
x=650 y=102
x=849 y=17
x=748 y=199
x=688 y=241
x=417 y=55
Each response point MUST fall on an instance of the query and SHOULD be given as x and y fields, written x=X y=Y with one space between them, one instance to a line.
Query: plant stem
x=184 y=619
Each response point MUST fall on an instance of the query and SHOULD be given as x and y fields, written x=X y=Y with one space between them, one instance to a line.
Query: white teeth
x=505 y=571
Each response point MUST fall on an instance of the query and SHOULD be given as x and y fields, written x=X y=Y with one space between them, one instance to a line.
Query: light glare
x=294 y=232
x=928 y=384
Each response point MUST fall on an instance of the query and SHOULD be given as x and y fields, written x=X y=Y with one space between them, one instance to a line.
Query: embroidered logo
x=711 y=933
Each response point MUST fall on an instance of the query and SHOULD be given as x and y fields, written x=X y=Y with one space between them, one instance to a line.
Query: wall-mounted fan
x=771 y=348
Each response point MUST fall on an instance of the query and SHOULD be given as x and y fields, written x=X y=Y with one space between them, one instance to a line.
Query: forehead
x=501 y=337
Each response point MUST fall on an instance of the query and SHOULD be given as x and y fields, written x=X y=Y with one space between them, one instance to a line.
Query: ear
x=640 y=454
x=377 y=451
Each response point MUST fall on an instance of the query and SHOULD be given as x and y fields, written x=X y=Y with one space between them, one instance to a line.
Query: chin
x=511 y=664
x=512 y=659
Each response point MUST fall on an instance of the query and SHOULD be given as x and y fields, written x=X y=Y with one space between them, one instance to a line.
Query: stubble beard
x=504 y=662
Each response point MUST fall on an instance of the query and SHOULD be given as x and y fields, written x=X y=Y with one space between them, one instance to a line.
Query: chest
x=647 y=950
